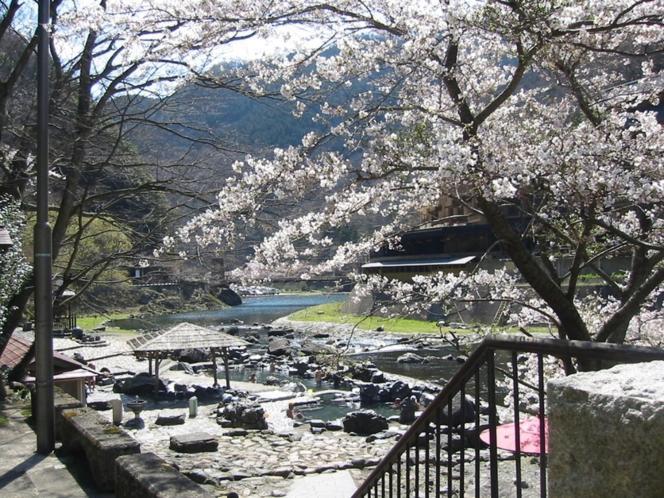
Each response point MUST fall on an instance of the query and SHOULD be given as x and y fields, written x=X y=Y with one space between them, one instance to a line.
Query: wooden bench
x=147 y=476
x=84 y=430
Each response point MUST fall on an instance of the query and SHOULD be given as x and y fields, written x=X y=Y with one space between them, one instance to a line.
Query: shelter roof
x=15 y=351
x=184 y=336
x=418 y=262
x=80 y=373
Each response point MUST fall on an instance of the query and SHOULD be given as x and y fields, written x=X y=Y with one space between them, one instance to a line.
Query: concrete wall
x=606 y=433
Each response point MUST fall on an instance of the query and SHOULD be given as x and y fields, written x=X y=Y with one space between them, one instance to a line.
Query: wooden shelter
x=161 y=344
x=68 y=374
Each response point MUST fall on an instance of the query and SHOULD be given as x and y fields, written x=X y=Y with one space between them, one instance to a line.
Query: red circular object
x=529 y=435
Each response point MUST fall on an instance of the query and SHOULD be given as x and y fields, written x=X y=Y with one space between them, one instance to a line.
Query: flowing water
x=259 y=309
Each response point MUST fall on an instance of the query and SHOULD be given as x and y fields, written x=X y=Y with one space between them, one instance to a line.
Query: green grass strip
x=332 y=312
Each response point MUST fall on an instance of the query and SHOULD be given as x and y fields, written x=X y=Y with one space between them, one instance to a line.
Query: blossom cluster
x=538 y=106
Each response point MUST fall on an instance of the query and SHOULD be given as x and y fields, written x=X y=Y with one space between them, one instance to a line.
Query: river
x=259 y=309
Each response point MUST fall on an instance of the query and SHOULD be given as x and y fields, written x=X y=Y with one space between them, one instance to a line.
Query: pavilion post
x=228 y=378
x=150 y=365
x=157 y=361
x=213 y=351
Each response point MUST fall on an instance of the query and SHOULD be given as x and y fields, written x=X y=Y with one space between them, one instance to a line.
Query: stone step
x=196 y=442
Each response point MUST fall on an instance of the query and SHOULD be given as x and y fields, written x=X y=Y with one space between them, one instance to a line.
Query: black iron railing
x=443 y=453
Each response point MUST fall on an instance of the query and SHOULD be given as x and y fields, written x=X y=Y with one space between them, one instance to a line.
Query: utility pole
x=45 y=416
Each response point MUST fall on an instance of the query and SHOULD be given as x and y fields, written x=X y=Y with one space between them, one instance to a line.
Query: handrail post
x=493 y=423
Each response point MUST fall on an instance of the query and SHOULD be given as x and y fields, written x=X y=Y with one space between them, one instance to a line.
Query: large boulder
x=378 y=377
x=606 y=432
x=296 y=387
x=411 y=358
x=185 y=367
x=271 y=380
x=370 y=393
x=313 y=348
x=142 y=383
x=463 y=410
x=278 y=346
x=363 y=371
x=301 y=367
x=193 y=355
x=397 y=389
x=229 y=297
x=364 y=422
x=245 y=415
x=278 y=332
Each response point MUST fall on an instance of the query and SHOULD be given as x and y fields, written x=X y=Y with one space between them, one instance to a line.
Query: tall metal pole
x=45 y=415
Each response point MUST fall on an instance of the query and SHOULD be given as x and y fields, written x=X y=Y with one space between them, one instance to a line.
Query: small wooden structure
x=161 y=344
x=68 y=374
x=65 y=312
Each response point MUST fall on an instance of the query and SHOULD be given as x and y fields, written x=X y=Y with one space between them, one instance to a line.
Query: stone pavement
x=328 y=485
x=24 y=473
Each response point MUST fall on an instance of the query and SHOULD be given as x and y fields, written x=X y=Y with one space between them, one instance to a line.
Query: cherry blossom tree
x=545 y=106
x=113 y=66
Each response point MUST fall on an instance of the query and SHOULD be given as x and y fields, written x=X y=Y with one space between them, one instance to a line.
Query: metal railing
x=443 y=453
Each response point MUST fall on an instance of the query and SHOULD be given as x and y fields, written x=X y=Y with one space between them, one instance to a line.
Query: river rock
x=364 y=422
x=271 y=380
x=397 y=389
x=411 y=358
x=301 y=367
x=229 y=297
x=296 y=387
x=333 y=426
x=278 y=346
x=245 y=415
x=142 y=383
x=363 y=371
x=252 y=338
x=378 y=377
x=370 y=393
x=459 y=415
x=184 y=366
x=313 y=348
x=315 y=422
x=193 y=355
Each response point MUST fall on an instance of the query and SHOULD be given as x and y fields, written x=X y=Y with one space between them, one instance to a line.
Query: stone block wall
x=62 y=401
x=114 y=457
x=606 y=433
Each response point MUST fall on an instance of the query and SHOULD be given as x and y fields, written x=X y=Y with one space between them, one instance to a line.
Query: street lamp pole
x=45 y=416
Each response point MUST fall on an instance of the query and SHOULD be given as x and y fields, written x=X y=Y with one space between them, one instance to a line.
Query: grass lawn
x=89 y=322
x=331 y=312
